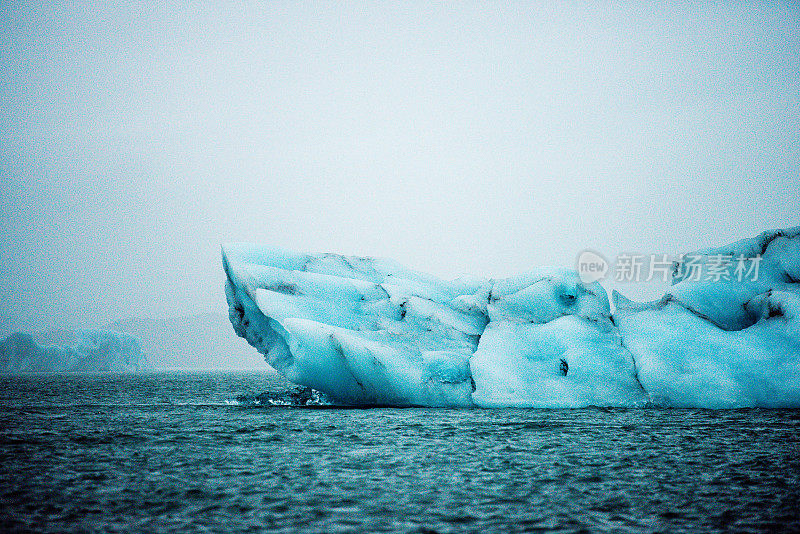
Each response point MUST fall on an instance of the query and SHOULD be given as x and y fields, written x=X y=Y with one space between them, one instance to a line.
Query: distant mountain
x=204 y=341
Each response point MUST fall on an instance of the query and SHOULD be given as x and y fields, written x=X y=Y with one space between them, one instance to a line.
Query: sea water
x=165 y=452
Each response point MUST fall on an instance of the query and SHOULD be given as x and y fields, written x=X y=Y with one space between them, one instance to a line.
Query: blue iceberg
x=71 y=351
x=369 y=331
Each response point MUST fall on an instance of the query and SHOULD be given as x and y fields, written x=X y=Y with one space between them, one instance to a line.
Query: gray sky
x=483 y=139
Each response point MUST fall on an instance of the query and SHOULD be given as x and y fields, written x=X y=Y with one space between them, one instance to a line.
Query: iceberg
x=370 y=332
x=70 y=351
x=361 y=330
x=550 y=342
x=728 y=340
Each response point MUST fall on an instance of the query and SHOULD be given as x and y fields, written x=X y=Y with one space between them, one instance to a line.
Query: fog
x=482 y=139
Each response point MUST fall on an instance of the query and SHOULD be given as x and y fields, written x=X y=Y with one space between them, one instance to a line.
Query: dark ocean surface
x=166 y=452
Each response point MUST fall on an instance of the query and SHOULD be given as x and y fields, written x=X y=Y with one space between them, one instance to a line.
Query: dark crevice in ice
x=285 y=288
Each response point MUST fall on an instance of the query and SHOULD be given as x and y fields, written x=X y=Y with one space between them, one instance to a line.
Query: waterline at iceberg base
x=371 y=332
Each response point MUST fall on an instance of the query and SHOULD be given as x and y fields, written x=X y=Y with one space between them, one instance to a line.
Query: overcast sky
x=456 y=138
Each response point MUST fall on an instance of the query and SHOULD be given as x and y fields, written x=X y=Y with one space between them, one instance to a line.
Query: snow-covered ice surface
x=363 y=331
x=70 y=350
x=550 y=342
x=370 y=332
x=723 y=343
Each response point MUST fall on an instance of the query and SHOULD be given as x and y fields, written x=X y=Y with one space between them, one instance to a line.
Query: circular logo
x=591 y=266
